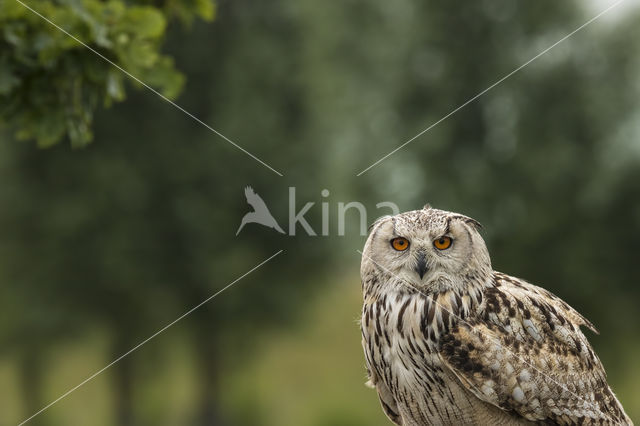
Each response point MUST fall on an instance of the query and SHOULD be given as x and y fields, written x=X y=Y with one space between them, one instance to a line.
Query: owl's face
x=430 y=249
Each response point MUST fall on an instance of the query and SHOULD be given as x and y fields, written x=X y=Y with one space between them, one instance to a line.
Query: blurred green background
x=128 y=218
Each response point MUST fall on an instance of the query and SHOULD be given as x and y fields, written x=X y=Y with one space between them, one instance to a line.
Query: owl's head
x=430 y=249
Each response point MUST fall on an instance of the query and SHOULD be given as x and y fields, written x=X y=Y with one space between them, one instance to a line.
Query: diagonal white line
x=581 y=27
x=411 y=287
x=128 y=74
x=94 y=375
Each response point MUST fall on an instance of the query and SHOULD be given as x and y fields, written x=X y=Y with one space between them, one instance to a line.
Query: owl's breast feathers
x=508 y=343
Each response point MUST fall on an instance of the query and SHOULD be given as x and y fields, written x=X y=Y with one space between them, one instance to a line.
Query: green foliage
x=50 y=85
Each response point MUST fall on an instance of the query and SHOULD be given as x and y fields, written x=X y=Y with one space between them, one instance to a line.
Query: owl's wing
x=528 y=356
x=388 y=402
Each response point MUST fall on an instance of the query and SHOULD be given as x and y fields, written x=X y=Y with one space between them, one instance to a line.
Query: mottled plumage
x=447 y=340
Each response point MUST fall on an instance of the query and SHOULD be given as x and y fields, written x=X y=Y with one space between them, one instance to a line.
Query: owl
x=450 y=341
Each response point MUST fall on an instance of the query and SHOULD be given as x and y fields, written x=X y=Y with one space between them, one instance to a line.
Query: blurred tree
x=50 y=84
x=548 y=160
x=140 y=227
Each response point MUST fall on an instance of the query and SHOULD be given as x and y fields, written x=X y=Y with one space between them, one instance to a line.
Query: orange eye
x=442 y=243
x=400 y=244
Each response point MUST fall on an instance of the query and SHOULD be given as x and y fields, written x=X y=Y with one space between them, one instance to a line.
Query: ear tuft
x=474 y=223
x=427 y=207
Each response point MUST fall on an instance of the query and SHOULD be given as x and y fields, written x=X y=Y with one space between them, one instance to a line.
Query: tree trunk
x=208 y=412
x=31 y=376
x=123 y=385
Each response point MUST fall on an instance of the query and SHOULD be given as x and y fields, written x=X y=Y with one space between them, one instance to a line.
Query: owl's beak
x=421 y=266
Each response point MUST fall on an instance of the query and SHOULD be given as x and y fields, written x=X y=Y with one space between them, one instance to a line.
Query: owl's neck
x=467 y=283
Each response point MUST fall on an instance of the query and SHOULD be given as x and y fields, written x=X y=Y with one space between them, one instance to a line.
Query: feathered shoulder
x=525 y=353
